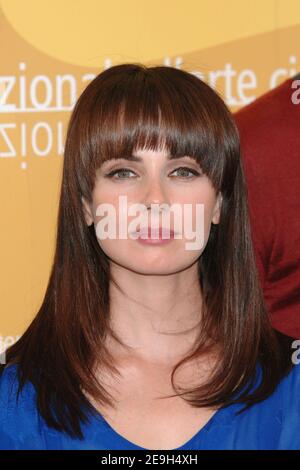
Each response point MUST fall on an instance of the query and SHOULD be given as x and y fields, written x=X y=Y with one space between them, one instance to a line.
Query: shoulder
x=19 y=419
x=287 y=394
x=289 y=389
x=270 y=109
x=279 y=414
x=292 y=379
x=269 y=424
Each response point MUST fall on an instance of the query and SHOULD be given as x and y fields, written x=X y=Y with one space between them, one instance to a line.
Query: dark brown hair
x=125 y=107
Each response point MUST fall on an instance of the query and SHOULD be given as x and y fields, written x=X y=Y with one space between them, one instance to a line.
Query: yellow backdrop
x=51 y=49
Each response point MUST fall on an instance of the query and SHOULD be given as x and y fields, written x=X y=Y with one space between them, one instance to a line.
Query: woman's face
x=154 y=179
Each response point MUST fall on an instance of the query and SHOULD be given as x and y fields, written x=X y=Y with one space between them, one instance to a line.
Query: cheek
x=104 y=197
x=111 y=221
x=200 y=209
x=199 y=219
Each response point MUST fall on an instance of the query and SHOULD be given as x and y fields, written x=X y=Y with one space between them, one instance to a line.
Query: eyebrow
x=134 y=158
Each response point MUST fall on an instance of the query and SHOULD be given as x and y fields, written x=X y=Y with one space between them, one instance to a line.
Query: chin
x=152 y=266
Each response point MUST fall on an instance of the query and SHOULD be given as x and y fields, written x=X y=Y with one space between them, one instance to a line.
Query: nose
x=155 y=195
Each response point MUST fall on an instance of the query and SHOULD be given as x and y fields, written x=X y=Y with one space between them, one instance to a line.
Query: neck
x=156 y=316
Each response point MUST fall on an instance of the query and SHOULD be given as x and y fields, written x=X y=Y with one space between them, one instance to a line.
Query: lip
x=159 y=235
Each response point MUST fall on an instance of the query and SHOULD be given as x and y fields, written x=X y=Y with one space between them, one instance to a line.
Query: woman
x=143 y=343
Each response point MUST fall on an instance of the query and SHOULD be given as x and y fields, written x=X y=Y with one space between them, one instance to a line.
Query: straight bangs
x=152 y=108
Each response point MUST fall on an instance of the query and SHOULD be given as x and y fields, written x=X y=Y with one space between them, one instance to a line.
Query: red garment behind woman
x=270 y=143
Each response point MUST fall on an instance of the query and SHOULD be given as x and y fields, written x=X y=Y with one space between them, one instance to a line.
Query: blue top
x=271 y=424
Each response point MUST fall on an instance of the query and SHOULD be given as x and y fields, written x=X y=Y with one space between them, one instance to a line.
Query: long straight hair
x=126 y=107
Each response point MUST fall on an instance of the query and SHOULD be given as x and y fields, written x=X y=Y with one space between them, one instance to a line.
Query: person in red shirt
x=270 y=145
